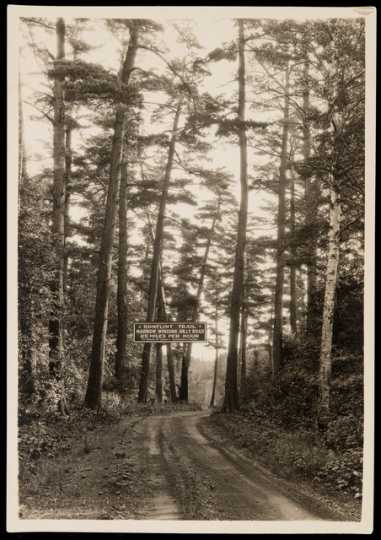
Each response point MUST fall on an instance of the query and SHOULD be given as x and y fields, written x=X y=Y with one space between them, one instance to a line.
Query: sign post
x=169 y=332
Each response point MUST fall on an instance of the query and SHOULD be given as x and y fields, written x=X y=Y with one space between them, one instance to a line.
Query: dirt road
x=199 y=480
x=161 y=467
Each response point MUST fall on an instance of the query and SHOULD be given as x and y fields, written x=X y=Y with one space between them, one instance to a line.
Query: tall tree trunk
x=243 y=353
x=145 y=271
x=94 y=386
x=171 y=374
x=154 y=276
x=184 y=384
x=313 y=314
x=56 y=332
x=301 y=288
x=170 y=362
x=293 y=296
x=163 y=315
x=231 y=399
x=186 y=360
x=312 y=193
x=215 y=373
x=68 y=164
x=121 y=340
x=280 y=252
x=328 y=310
x=159 y=371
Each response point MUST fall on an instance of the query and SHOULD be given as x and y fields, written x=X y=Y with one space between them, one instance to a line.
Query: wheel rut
x=162 y=505
x=195 y=479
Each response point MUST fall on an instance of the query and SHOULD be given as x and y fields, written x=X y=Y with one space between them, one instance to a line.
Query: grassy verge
x=296 y=455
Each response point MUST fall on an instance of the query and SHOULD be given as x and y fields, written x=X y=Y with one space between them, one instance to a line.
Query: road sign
x=166 y=332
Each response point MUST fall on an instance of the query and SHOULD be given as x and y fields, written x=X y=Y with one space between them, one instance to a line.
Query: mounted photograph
x=191 y=207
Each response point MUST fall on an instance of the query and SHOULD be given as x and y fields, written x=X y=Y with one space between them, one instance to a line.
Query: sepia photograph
x=191 y=266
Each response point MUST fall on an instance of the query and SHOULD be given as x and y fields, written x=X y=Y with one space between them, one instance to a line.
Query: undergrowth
x=277 y=425
x=294 y=455
x=44 y=434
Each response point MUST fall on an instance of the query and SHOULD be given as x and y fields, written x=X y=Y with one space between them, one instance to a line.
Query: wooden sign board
x=167 y=332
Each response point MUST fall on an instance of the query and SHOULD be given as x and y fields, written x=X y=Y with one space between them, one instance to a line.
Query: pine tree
x=281 y=222
x=94 y=386
x=231 y=400
x=56 y=331
x=154 y=275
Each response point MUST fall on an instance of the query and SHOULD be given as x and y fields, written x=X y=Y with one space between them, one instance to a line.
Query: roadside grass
x=298 y=455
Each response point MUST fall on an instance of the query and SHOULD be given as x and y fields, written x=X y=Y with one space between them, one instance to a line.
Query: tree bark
x=243 y=353
x=162 y=316
x=171 y=374
x=145 y=272
x=94 y=386
x=68 y=165
x=313 y=314
x=184 y=385
x=293 y=296
x=154 y=276
x=121 y=340
x=280 y=252
x=170 y=363
x=231 y=399
x=56 y=346
x=328 y=310
x=159 y=371
x=215 y=373
x=312 y=194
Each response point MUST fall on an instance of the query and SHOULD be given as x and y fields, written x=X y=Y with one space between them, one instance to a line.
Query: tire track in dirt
x=199 y=480
x=162 y=504
x=315 y=504
x=249 y=493
x=190 y=485
x=231 y=498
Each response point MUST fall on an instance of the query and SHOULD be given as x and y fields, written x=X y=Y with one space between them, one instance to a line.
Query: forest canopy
x=166 y=175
